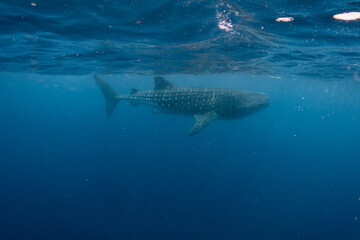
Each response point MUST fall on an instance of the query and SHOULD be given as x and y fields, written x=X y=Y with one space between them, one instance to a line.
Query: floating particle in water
x=284 y=19
x=349 y=16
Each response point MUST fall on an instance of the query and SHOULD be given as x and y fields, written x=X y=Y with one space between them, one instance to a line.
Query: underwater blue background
x=290 y=171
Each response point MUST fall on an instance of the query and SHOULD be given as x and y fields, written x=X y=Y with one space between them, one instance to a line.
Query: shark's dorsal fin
x=133 y=91
x=161 y=83
x=202 y=120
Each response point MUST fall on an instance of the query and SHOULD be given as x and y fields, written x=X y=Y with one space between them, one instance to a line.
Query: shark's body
x=205 y=104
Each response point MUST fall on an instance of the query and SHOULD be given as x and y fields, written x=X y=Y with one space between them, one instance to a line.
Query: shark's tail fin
x=110 y=94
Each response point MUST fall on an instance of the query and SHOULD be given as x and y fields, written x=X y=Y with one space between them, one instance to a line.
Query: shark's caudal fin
x=110 y=94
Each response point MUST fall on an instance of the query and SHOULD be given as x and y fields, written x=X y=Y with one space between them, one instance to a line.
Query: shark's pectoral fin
x=202 y=120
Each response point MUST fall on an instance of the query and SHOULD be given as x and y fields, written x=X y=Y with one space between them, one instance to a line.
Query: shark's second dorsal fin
x=161 y=83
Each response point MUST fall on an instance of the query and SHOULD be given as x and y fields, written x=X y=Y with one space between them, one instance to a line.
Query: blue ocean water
x=290 y=171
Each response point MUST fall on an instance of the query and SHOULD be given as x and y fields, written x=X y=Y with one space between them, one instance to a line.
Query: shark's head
x=256 y=100
x=242 y=103
x=250 y=102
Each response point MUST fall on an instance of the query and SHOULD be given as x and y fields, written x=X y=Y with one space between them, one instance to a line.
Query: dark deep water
x=290 y=171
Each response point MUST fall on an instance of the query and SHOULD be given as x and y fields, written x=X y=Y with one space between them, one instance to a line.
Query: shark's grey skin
x=205 y=104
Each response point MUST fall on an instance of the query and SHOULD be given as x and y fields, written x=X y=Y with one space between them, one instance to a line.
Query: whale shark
x=204 y=104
